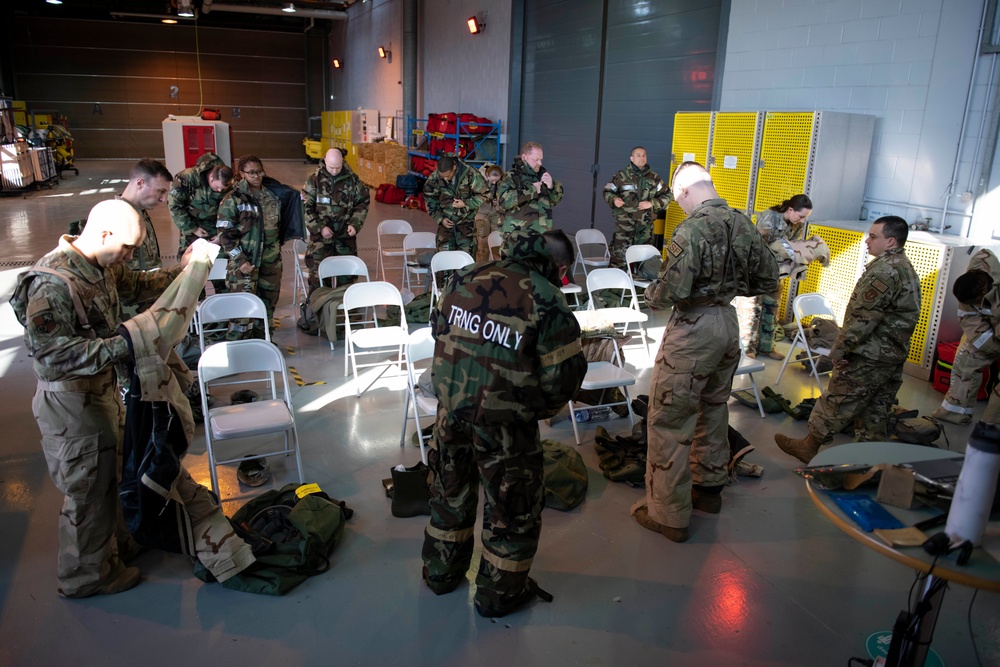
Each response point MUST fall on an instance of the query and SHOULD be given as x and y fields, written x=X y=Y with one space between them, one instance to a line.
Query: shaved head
x=114 y=230
x=334 y=161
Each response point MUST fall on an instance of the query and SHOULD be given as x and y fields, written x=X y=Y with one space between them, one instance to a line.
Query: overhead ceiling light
x=171 y=21
x=475 y=27
x=185 y=8
x=54 y=2
x=336 y=63
x=289 y=7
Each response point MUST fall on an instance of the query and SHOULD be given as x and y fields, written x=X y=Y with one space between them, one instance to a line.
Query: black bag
x=307 y=322
x=292 y=538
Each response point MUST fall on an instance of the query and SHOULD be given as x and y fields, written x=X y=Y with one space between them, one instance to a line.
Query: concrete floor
x=769 y=581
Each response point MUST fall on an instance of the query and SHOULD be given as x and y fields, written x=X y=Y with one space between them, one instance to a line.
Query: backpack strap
x=81 y=313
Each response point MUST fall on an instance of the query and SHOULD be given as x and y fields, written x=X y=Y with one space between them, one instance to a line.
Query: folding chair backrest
x=640 y=253
x=239 y=356
x=610 y=278
x=813 y=303
x=231 y=306
x=419 y=347
x=419 y=240
x=493 y=241
x=342 y=265
x=591 y=237
x=393 y=228
x=375 y=293
x=448 y=260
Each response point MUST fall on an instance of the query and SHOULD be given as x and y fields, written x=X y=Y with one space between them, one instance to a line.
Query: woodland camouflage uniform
x=980 y=346
x=874 y=341
x=248 y=232
x=193 y=203
x=507 y=354
x=467 y=185
x=520 y=205
x=334 y=202
x=632 y=226
x=146 y=256
x=773 y=226
x=715 y=255
x=77 y=404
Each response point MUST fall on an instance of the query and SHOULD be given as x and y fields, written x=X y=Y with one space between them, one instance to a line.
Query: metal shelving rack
x=486 y=146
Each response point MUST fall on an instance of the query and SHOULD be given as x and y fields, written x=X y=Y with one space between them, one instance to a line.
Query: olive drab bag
x=292 y=531
x=565 y=476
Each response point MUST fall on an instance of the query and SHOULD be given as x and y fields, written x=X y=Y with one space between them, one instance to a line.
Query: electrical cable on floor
x=972 y=636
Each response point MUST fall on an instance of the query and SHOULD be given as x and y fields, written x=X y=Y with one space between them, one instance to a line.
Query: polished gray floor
x=768 y=581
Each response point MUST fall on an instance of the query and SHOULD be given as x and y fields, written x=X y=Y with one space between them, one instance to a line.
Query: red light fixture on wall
x=336 y=63
x=474 y=25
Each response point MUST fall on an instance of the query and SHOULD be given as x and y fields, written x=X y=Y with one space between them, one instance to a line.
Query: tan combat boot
x=641 y=516
x=945 y=415
x=804 y=449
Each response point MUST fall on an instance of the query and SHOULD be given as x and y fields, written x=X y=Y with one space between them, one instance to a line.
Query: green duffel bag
x=291 y=537
x=565 y=476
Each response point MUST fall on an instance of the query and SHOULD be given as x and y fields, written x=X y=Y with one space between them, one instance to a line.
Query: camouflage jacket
x=147 y=256
x=981 y=322
x=192 y=202
x=773 y=226
x=520 y=203
x=882 y=312
x=467 y=185
x=243 y=217
x=715 y=255
x=56 y=340
x=635 y=185
x=334 y=202
x=507 y=346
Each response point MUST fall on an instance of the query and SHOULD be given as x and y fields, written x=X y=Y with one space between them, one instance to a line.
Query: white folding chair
x=220 y=308
x=574 y=290
x=388 y=249
x=807 y=305
x=591 y=237
x=616 y=279
x=750 y=366
x=419 y=347
x=299 y=249
x=245 y=420
x=603 y=375
x=636 y=254
x=446 y=260
x=413 y=246
x=341 y=265
x=494 y=240
x=374 y=340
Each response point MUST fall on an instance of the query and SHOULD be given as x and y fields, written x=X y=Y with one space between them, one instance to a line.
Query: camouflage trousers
x=966 y=378
x=486 y=223
x=460 y=237
x=688 y=411
x=80 y=438
x=762 y=324
x=628 y=233
x=508 y=460
x=509 y=224
x=317 y=252
x=860 y=392
x=265 y=282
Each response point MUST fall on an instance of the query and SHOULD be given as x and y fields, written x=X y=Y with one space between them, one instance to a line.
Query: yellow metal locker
x=691 y=140
x=735 y=137
x=784 y=157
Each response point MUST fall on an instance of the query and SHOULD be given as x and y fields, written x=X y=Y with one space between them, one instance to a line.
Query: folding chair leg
x=756 y=394
x=572 y=418
x=788 y=357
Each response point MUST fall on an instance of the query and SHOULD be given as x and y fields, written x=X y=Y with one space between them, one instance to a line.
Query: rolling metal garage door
x=601 y=76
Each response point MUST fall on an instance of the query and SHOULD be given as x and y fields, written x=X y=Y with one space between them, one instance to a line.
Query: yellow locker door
x=927 y=261
x=847 y=260
x=692 y=134
x=783 y=166
x=734 y=138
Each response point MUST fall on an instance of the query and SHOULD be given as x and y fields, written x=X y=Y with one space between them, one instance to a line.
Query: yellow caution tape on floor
x=298 y=378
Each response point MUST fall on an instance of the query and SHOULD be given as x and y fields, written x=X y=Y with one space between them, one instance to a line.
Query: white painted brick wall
x=908 y=62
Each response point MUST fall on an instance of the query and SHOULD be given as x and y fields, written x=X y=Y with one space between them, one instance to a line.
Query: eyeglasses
x=255 y=172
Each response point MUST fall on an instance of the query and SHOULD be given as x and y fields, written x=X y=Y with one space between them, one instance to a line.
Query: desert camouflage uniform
x=772 y=226
x=488 y=219
x=467 y=185
x=248 y=232
x=521 y=206
x=979 y=347
x=334 y=202
x=193 y=203
x=874 y=341
x=632 y=226
x=77 y=404
x=147 y=256
x=715 y=255
x=507 y=354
